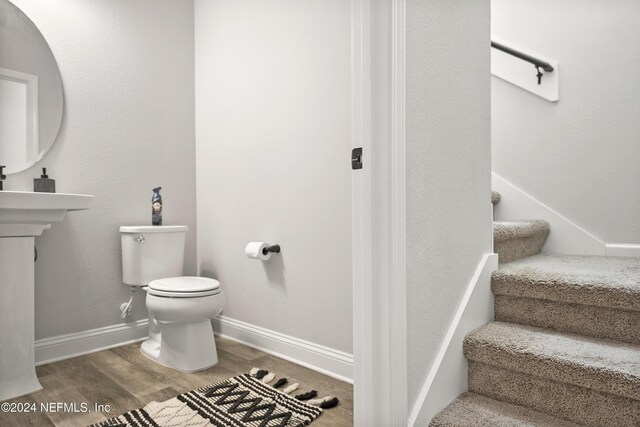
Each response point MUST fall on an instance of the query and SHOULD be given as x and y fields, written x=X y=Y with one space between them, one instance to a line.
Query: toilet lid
x=184 y=284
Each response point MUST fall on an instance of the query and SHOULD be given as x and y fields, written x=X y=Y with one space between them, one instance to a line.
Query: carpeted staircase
x=565 y=347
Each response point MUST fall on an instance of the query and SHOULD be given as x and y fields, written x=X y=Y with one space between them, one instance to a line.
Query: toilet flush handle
x=140 y=239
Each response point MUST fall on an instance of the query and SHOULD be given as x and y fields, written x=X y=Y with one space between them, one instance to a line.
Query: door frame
x=378 y=215
x=30 y=81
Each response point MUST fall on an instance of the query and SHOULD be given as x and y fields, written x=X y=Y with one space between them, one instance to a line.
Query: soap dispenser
x=44 y=184
x=2 y=176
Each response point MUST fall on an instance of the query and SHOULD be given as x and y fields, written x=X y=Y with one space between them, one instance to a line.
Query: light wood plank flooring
x=125 y=379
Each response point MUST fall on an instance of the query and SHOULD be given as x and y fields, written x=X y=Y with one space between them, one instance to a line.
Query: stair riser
x=592 y=321
x=579 y=375
x=557 y=290
x=574 y=403
x=513 y=249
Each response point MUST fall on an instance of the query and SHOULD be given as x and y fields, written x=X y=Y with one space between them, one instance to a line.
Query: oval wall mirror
x=31 y=99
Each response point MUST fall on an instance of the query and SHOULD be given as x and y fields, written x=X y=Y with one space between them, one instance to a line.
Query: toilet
x=180 y=307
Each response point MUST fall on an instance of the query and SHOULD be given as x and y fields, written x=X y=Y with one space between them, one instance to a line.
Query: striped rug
x=243 y=401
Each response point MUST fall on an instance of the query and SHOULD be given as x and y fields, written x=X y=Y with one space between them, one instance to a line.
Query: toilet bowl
x=180 y=308
x=180 y=312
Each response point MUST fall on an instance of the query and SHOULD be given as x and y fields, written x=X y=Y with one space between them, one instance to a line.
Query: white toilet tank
x=152 y=252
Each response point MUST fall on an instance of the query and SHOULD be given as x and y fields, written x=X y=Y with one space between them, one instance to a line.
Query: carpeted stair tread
x=513 y=240
x=471 y=409
x=508 y=230
x=495 y=197
x=559 y=399
x=589 y=280
x=602 y=365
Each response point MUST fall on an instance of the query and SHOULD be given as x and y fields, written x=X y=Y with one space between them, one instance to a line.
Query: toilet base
x=184 y=347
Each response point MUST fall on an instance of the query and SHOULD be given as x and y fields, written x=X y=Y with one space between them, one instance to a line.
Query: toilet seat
x=183 y=287
x=181 y=294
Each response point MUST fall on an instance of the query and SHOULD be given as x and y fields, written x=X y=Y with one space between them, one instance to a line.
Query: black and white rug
x=243 y=401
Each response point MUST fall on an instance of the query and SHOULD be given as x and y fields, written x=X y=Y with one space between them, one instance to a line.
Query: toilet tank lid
x=184 y=284
x=154 y=229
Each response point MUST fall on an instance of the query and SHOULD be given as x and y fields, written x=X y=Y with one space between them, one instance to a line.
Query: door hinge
x=356 y=158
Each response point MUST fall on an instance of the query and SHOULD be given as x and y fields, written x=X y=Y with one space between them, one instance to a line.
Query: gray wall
x=579 y=156
x=448 y=167
x=127 y=71
x=273 y=137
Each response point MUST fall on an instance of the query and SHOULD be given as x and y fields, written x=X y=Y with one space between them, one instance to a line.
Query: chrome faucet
x=2 y=176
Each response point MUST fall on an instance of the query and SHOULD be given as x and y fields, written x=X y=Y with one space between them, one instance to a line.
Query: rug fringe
x=268 y=378
x=280 y=382
x=318 y=402
x=291 y=388
x=324 y=402
x=308 y=395
x=330 y=403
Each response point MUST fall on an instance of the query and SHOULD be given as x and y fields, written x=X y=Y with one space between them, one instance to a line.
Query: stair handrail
x=538 y=63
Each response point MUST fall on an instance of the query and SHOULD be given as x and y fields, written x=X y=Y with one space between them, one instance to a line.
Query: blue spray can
x=156 y=207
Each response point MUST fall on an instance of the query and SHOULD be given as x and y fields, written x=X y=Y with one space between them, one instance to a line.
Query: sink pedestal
x=17 y=363
x=24 y=216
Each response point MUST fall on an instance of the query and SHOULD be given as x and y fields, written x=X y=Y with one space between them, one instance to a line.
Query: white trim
x=631 y=250
x=33 y=142
x=397 y=291
x=362 y=222
x=379 y=298
x=566 y=237
x=447 y=377
x=328 y=361
x=61 y=347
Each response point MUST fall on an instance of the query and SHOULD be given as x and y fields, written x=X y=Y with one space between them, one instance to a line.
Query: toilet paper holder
x=273 y=249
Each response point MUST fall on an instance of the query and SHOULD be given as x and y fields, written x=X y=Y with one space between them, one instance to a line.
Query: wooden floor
x=125 y=379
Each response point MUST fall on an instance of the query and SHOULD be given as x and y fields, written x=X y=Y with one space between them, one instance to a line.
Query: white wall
x=448 y=167
x=273 y=138
x=127 y=71
x=578 y=156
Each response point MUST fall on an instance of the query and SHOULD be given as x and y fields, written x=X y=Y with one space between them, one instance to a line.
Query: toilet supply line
x=127 y=307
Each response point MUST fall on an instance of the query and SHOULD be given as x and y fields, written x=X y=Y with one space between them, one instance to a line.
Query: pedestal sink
x=23 y=216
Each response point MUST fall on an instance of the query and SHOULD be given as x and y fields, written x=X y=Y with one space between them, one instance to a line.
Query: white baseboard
x=447 y=377
x=61 y=347
x=566 y=237
x=630 y=250
x=328 y=361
